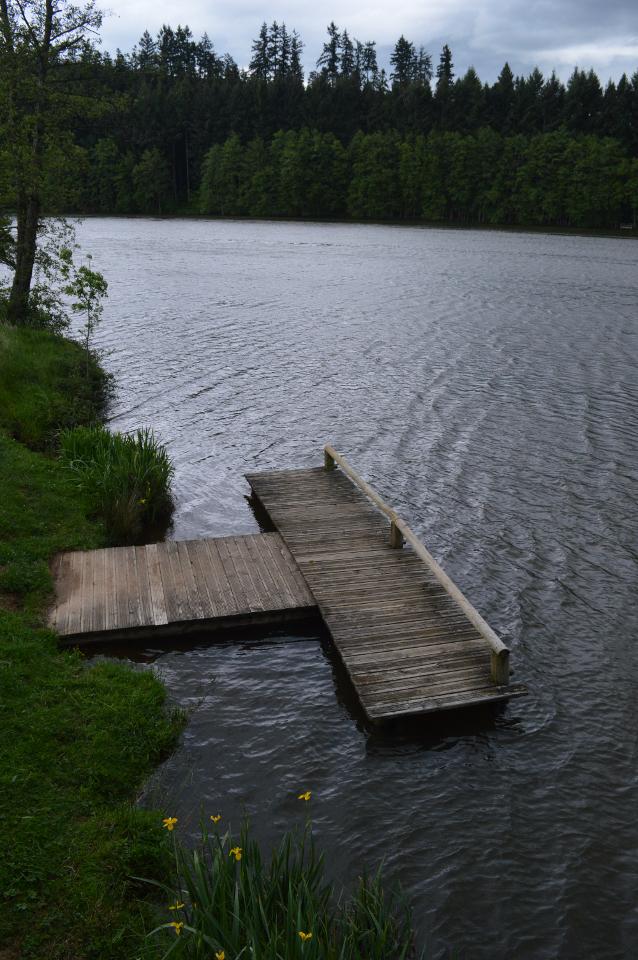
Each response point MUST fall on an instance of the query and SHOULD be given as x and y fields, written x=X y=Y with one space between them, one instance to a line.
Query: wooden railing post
x=501 y=667
x=328 y=460
x=396 y=537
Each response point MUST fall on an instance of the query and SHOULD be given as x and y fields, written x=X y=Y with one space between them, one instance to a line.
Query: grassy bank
x=45 y=385
x=77 y=742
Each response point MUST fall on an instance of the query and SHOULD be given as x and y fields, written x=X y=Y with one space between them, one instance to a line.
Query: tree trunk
x=188 y=175
x=28 y=216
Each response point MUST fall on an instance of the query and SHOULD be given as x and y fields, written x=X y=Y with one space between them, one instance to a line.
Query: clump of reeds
x=127 y=477
x=230 y=903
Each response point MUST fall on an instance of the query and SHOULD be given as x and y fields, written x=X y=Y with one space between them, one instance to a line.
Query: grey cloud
x=482 y=33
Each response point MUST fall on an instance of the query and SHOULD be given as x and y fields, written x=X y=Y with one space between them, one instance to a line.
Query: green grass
x=44 y=385
x=127 y=477
x=77 y=741
x=228 y=900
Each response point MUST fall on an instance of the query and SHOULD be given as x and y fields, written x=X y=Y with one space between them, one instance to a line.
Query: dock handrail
x=400 y=532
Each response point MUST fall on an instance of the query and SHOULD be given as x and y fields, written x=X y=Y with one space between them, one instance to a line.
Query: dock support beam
x=328 y=460
x=501 y=667
x=396 y=537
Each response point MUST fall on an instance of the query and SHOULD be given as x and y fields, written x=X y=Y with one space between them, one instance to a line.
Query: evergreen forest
x=176 y=127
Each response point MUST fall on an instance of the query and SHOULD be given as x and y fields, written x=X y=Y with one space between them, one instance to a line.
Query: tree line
x=160 y=109
x=487 y=178
x=175 y=126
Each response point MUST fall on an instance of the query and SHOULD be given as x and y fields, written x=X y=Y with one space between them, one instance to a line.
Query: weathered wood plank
x=195 y=599
x=99 y=589
x=177 y=606
x=144 y=587
x=407 y=641
x=158 y=600
x=466 y=698
x=242 y=597
x=208 y=608
x=287 y=580
x=68 y=615
x=129 y=590
x=218 y=582
x=408 y=638
x=133 y=588
x=263 y=572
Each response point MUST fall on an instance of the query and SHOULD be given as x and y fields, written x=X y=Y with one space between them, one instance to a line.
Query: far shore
x=630 y=232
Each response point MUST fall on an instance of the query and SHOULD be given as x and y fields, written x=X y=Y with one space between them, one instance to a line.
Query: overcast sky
x=551 y=34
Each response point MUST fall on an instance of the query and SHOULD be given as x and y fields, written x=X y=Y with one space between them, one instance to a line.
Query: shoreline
x=594 y=232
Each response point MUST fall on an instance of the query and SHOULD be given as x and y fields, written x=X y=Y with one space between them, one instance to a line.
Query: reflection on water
x=486 y=384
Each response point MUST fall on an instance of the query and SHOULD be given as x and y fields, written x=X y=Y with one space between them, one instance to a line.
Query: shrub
x=229 y=903
x=127 y=476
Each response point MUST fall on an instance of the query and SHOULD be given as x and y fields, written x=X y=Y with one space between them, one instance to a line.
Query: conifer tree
x=500 y=101
x=274 y=50
x=404 y=62
x=146 y=56
x=369 y=68
x=296 y=46
x=445 y=70
x=207 y=61
x=284 y=51
x=423 y=67
x=260 y=60
x=444 y=87
x=347 y=55
x=330 y=58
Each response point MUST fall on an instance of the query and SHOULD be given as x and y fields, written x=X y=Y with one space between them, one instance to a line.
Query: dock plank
x=409 y=640
x=158 y=600
x=144 y=587
x=125 y=592
x=407 y=645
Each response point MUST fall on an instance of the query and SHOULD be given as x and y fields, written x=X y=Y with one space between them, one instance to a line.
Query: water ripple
x=487 y=384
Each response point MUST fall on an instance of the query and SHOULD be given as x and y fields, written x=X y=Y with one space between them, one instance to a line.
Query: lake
x=486 y=383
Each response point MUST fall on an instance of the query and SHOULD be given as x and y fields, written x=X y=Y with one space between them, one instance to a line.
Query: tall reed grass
x=127 y=477
x=229 y=903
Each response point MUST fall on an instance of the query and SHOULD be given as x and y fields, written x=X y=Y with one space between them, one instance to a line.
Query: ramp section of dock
x=410 y=641
x=136 y=592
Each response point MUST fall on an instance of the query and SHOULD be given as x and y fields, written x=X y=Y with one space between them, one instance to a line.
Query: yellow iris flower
x=220 y=956
x=305 y=936
x=236 y=853
x=169 y=822
x=176 y=906
x=216 y=817
x=177 y=927
x=305 y=796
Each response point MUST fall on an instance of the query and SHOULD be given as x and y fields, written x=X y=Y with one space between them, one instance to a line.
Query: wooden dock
x=138 y=592
x=410 y=641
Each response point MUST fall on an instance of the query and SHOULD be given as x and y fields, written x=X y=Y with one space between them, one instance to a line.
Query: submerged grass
x=229 y=902
x=127 y=476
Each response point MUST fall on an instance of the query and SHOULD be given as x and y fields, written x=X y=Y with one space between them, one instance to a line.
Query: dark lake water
x=486 y=383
